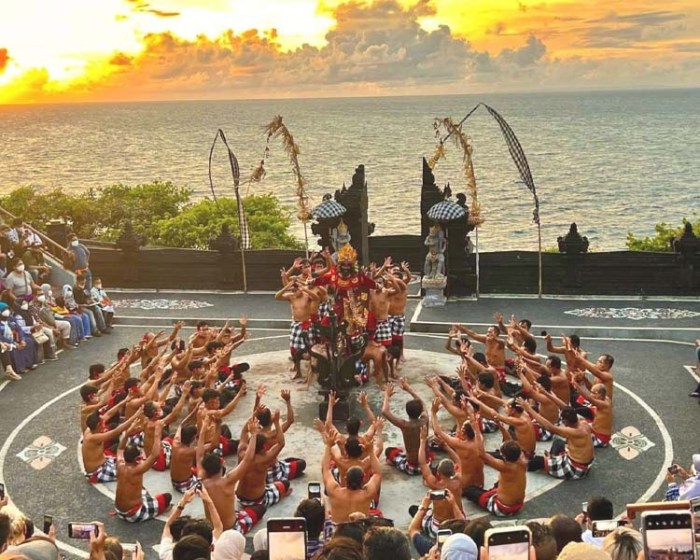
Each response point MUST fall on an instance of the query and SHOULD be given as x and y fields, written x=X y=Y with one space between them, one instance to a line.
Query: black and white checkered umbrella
x=446 y=211
x=328 y=209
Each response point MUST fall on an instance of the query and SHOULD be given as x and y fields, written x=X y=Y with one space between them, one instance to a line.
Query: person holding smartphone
x=683 y=484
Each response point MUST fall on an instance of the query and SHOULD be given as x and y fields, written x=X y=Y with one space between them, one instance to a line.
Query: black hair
x=565 y=530
x=511 y=451
x=192 y=547
x=381 y=543
x=93 y=420
x=575 y=340
x=352 y=425
x=264 y=416
x=527 y=323
x=211 y=463
x=177 y=526
x=213 y=345
x=200 y=527
x=515 y=406
x=486 y=379
x=188 y=434
x=569 y=416
x=200 y=324
x=608 y=359
x=315 y=514
x=5 y=526
x=121 y=353
x=131 y=453
x=86 y=391
x=95 y=370
x=260 y=442
x=353 y=447
x=195 y=364
x=468 y=431
x=355 y=478
x=600 y=508
x=481 y=358
x=476 y=529
x=262 y=554
x=530 y=344
x=131 y=382
x=414 y=408
x=555 y=361
x=210 y=394
x=545 y=381
x=149 y=410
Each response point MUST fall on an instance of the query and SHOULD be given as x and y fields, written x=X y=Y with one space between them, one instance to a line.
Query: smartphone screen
x=509 y=544
x=314 y=490
x=81 y=530
x=668 y=535
x=602 y=528
x=442 y=536
x=48 y=521
x=286 y=538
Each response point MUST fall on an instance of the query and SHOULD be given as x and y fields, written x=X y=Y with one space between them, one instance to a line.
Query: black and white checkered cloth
x=446 y=211
x=328 y=209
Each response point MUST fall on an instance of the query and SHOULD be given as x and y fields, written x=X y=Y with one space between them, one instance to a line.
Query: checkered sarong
x=383 y=332
x=488 y=426
x=273 y=493
x=398 y=325
x=541 y=434
x=397 y=457
x=147 y=509
x=106 y=472
x=490 y=502
x=562 y=466
x=430 y=525
x=286 y=469
x=324 y=309
x=600 y=440
x=164 y=456
x=362 y=371
x=184 y=486
x=137 y=439
x=246 y=519
x=298 y=334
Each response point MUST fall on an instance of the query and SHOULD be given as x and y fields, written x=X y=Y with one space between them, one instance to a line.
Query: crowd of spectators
x=38 y=319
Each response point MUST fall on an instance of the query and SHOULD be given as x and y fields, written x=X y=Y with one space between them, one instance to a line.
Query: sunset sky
x=128 y=50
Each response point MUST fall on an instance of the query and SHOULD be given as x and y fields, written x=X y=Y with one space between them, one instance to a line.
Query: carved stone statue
x=434 y=267
x=573 y=242
x=340 y=237
x=688 y=243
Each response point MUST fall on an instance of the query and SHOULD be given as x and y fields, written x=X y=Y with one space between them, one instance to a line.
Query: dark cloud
x=532 y=52
x=4 y=58
x=633 y=30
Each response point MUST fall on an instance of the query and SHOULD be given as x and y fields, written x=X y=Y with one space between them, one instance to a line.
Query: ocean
x=614 y=162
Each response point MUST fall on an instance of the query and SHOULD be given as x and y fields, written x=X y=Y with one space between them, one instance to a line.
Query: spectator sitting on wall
x=19 y=282
x=99 y=295
x=34 y=261
x=78 y=259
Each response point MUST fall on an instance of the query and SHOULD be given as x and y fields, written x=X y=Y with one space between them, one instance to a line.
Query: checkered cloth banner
x=236 y=173
x=518 y=155
x=328 y=209
x=446 y=211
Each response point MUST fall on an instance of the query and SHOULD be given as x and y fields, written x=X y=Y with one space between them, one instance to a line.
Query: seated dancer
x=218 y=431
x=507 y=497
x=570 y=458
x=282 y=469
x=524 y=428
x=98 y=466
x=300 y=298
x=379 y=305
x=356 y=496
x=559 y=379
x=445 y=479
x=183 y=462
x=518 y=330
x=493 y=345
x=575 y=343
x=405 y=460
x=601 y=427
x=253 y=488
x=538 y=392
x=132 y=501
x=222 y=488
x=602 y=369
x=468 y=444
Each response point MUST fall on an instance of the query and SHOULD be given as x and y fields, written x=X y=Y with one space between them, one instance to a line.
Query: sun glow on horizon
x=85 y=50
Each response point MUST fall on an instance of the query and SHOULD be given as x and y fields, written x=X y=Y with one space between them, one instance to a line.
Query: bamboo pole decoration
x=459 y=137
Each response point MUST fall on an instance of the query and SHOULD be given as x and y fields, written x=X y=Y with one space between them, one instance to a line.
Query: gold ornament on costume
x=347 y=253
x=355 y=313
x=459 y=137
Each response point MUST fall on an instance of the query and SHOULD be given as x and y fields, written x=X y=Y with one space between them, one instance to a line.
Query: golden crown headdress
x=342 y=226
x=347 y=253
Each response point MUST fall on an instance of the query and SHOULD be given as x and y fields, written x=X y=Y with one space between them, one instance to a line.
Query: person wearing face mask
x=79 y=259
x=67 y=301
x=35 y=264
x=60 y=326
x=33 y=349
x=23 y=353
x=7 y=343
x=19 y=281
x=84 y=299
x=42 y=333
x=100 y=296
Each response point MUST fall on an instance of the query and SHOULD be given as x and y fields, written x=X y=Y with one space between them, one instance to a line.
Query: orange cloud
x=4 y=58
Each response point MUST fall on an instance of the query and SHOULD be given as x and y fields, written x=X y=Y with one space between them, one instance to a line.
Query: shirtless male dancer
x=300 y=299
x=571 y=459
x=493 y=345
x=405 y=460
x=507 y=497
x=398 y=280
x=98 y=466
x=132 y=502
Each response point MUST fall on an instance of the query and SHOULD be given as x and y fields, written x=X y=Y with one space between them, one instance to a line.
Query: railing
x=49 y=245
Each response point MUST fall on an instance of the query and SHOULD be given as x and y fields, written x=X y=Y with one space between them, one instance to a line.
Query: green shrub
x=661 y=242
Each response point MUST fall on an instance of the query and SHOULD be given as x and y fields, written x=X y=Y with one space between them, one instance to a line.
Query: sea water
x=613 y=162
